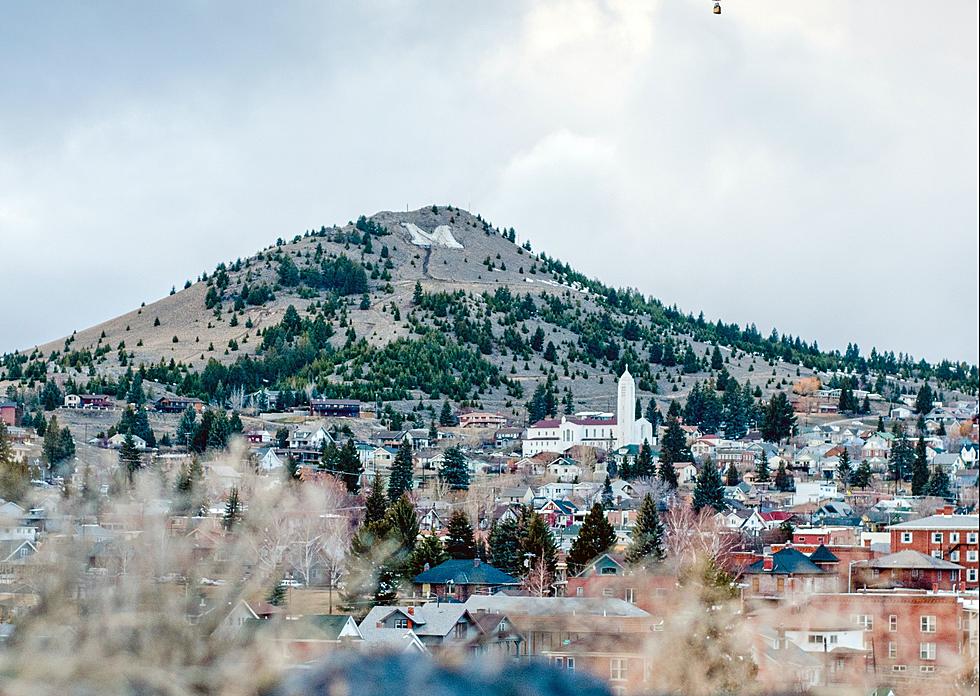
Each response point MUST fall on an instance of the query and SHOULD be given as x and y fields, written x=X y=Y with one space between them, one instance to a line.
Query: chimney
x=767 y=563
x=411 y=611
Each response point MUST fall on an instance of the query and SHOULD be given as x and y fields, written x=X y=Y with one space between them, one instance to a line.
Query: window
x=971 y=575
x=937 y=554
x=893 y=623
x=570 y=664
x=608 y=592
x=971 y=538
x=954 y=537
x=899 y=668
x=906 y=537
x=460 y=630
x=954 y=556
x=937 y=537
x=617 y=669
x=866 y=621
x=927 y=669
x=927 y=624
x=892 y=650
x=579 y=591
x=927 y=651
x=971 y=556
x=629 y=595
x=401 y=623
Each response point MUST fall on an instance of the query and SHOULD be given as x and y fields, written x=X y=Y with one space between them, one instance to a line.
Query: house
x=522 y=495
x=307 y=638
x=177 y=404
x=117 y=440
x=394 y=438
x=908 y=568
x=461 y=578
x=91 y=401
x=10 y=413
x=481 y=419
x=259 y=437
x=506 y=436
x=787 y=572
x=13 y=555
x=303 y=439
x=558 y=513
x=335 y=408
x=269 y=459
x=686 y=472
x=945 y=536
x=565 y=470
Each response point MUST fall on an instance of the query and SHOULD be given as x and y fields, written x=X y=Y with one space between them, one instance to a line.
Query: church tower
x=625 y=409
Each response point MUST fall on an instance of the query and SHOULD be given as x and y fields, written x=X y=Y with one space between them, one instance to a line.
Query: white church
x=601 y=430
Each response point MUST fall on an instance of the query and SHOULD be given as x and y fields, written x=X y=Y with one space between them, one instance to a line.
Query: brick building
x=912 y=637
x=945 y=536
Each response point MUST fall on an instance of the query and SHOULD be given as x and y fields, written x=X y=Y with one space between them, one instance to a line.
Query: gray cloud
x=811 y=166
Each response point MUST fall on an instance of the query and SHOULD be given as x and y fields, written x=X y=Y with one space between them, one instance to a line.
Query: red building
x=945 y=536
x=910 y=569
x=9 y=413
x=912 y=637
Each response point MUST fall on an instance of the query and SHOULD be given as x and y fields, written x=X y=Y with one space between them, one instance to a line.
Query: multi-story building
x=945 y=536
x=910 y=636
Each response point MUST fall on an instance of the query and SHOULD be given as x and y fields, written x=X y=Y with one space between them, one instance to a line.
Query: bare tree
x=538 y=580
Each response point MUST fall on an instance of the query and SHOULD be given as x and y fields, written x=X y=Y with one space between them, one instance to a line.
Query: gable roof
x=912 y=559
x=465 y=572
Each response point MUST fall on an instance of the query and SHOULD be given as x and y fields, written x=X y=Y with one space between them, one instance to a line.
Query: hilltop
x=431 y=304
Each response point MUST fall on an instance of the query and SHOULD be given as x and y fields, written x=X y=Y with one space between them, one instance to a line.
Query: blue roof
x=823 y=555
x=465 y=572
x=789 y=561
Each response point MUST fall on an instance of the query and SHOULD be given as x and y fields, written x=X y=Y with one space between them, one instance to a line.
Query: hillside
x=478 y=333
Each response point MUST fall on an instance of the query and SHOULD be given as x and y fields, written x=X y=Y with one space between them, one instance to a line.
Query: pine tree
x=647 y=545
x=667 y=473
x=233 y=510
x=778 y=420
x=537 y=541
x=732 y=477
x=862 y=475
x=429 y=551
x=402 y=521
x=505 y=547
x=446 y=418
x=924 y=399
x=717 y=362
x=644 y=466
x=901 y=456
x=454 y=471
x=349 y=464
x=417 y=294
x=762 y=470
x=844 y=469
x=920 y=469
x=595 y=537
x=674 y=447
x=784 y=482
x=130 y=458
x=376 y=505
x=186 y=426
x=277 y=595
x=14 y=476
x=708 y=489
x=607 y=494
x=459 y=542
x=402 y=472
x=939 y=483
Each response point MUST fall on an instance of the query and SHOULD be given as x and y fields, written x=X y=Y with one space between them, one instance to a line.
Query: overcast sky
x=810 y=166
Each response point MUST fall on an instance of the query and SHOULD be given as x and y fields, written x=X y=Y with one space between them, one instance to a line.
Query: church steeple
x=625 y=409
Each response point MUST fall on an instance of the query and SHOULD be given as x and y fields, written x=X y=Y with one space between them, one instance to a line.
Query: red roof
x=554 y=422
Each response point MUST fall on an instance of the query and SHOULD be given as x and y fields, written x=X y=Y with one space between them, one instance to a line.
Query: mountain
x=431 y=304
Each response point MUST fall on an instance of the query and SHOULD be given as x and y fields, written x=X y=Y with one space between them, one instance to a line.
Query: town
x=811 y=550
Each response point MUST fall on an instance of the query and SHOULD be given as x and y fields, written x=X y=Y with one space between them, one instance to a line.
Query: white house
x=118 y=439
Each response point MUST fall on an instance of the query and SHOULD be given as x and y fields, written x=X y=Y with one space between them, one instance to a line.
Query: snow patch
x=442 y=236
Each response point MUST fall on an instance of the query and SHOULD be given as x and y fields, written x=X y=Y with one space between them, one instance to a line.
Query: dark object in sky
x=414 y=675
